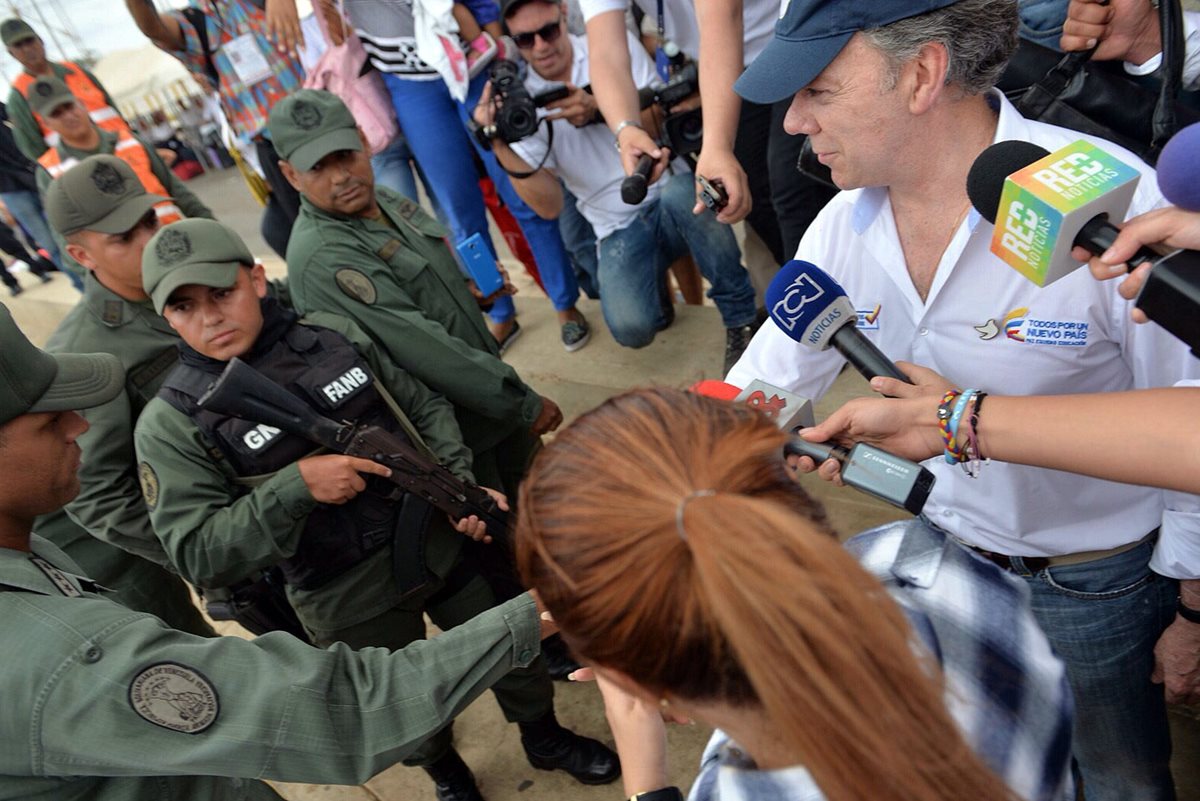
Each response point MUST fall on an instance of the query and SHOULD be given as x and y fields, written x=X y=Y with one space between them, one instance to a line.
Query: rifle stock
x=241 y=391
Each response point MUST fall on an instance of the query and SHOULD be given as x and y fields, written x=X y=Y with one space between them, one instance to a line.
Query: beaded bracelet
x=943 y=414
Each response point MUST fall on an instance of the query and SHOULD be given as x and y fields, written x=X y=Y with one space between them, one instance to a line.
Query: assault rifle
x=243 y=392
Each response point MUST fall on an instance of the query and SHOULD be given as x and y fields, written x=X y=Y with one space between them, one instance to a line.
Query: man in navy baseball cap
x=810 y=34
x=898 y=100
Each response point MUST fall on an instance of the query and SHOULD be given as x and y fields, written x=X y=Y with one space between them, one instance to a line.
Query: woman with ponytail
x=681 y=560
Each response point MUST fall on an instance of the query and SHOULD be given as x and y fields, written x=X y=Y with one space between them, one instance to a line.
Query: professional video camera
x=683 y=131
x=516 y=115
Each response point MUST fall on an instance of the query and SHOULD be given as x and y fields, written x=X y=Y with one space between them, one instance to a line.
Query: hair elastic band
x=682 y=503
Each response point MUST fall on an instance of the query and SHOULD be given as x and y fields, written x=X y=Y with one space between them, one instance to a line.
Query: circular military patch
x=173 y=246
x=44 y=89
x=306 y=115
x=107 y=179
x=175 y=697
x=356 y=285
x=149 y=482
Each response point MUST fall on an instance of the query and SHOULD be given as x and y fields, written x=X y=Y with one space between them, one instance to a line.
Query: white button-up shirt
x=985 y=326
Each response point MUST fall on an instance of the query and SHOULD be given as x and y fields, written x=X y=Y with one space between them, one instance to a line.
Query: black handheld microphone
x=633 y=188
x=812 y=308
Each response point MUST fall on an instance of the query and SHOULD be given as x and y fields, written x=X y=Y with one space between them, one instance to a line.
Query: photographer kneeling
x=637 y=243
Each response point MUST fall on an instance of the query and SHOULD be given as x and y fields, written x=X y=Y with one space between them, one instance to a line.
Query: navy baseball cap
x=810 y=34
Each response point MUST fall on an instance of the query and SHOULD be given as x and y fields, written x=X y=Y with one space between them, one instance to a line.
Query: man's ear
x=258 y=279
x=928 y=76
x=290 y=172
x=79 y=253
x=363 y=137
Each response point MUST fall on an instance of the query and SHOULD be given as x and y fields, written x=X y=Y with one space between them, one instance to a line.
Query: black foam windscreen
x=985 y=181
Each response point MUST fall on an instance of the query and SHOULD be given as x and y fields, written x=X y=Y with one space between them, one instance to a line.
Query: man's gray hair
x=979 y=37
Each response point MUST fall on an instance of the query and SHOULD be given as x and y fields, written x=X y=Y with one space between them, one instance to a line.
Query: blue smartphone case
x=480 y=265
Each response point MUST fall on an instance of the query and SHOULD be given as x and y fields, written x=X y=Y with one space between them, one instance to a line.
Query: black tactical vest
x=324 y=369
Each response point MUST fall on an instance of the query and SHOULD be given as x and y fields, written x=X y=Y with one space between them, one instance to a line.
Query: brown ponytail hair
x=666 y=536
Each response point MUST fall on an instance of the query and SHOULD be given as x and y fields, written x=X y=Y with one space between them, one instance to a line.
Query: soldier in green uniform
x=107 y=704
x=230 y=496
x=107 y=217
x=79 y=137
x=374 y=256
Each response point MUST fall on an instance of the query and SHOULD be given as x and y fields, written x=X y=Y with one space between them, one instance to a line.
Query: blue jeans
x=580 y=241
x=394 y=168
x=434 y=124
x=635 y=259
x=1042 y=21
x=1103 y=618
x=26 y=209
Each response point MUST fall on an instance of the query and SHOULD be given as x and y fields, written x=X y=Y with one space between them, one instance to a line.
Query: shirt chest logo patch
x=868 y=319
x=1019 y=325
x=175 y=697
x=346 y=385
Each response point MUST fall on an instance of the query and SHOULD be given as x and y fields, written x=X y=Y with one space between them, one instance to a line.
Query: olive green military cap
x=32 y=380
x=308 y=125
x=16 y=30
x=100 y=193
x=48 y=93
x=193 y=251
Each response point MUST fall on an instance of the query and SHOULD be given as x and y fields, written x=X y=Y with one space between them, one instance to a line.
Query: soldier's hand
x=475 y=528
x=548 y=419
x=334 y=478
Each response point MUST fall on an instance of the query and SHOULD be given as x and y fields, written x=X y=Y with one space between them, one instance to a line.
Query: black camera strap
x=549 y=144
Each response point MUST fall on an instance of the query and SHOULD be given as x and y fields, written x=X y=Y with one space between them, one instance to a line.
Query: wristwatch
x=1188 y=614
x=622 y=125
x=661 y=794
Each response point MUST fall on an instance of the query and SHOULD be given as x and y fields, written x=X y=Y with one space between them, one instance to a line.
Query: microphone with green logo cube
x=1043 y=204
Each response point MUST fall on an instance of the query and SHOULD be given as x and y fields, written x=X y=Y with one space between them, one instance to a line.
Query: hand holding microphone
x=633 y=188
x=1047 y=208
x=893 y=479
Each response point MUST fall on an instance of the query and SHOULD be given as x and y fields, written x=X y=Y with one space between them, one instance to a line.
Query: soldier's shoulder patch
x=149 y=481
x=356 y=284
x=174 y=696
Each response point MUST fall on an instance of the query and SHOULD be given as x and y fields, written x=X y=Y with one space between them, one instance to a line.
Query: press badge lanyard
x=661 y=62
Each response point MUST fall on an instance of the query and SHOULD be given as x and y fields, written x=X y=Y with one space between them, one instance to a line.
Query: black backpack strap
x=199 y=21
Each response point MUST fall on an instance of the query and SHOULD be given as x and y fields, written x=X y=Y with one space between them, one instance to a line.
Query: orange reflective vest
x=85 y=91
x=133 y=153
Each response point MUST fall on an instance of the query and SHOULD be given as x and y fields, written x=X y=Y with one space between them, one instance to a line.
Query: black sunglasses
x=549 y=33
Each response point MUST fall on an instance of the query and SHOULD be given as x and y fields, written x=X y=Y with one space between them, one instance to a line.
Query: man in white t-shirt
x=636 y=243
x=896 y=98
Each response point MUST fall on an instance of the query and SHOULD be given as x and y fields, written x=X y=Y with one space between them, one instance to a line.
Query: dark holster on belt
x=408 y=546
x=259 y=606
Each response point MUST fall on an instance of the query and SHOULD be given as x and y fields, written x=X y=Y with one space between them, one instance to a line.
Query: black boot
x=452 y=779
x=559 y=662
x=551 y=747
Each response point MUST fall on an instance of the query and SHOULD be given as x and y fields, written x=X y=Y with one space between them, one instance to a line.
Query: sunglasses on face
x=549 y=33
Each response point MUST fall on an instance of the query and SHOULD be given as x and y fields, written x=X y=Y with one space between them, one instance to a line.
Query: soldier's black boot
x=551 y=747
x=452 y=779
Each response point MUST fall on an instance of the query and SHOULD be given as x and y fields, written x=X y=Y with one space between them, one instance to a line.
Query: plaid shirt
x=1004 y=686
x=246 y=105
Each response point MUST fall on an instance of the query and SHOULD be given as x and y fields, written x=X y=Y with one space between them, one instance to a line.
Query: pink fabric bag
x=343 y=70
